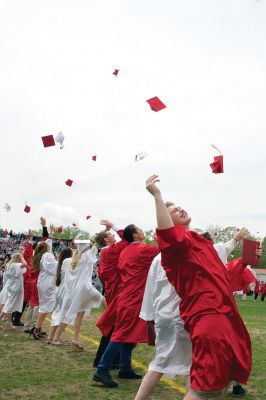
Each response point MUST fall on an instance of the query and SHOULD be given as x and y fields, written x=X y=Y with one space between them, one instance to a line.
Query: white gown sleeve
x=147 y=308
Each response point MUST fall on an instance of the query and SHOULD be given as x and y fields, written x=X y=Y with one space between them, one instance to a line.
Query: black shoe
x=129 y=375
x=238 y=391
x=17 y=323
x=105 y=379
x=27 y=331
x=43 y=334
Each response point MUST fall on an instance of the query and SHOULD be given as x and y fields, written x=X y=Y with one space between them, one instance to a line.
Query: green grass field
x=34 y=370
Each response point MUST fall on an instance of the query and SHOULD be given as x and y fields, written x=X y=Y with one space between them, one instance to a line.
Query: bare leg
x=40 y=319
x=51 y=332
x=147 y=384
x=192 y=396
x=77 y=326
x=60 y=329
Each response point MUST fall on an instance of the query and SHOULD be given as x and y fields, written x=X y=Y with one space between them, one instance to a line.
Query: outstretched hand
x=43 y=221
x=241 y=234
x=108 y=224
x=151 y=185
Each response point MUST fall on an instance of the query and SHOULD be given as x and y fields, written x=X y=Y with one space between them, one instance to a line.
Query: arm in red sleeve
x=45 y=234
x=28 y=253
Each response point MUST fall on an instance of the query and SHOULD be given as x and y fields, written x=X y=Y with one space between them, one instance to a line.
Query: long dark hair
x=65 y=253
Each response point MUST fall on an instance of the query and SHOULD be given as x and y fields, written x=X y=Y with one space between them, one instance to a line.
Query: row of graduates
x=141 y=298
x=190 y=284
x=64 y=288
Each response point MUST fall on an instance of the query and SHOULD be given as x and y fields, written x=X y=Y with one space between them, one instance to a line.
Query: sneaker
x=105 y=379
x=238 y=391
x=129 y=375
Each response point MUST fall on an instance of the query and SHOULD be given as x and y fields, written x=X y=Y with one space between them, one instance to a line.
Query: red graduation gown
x=27 y=275
x=108 y=272
x=123 y=313
x=193 y=267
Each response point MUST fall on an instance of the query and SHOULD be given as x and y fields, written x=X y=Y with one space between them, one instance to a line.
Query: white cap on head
x=82 y=244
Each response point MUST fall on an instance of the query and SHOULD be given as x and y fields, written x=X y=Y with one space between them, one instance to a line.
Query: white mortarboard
x=82 y=244
x=7 y=207
x=60 y=139
x=140 y=156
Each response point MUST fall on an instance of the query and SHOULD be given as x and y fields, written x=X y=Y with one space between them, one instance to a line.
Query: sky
x=205 y=59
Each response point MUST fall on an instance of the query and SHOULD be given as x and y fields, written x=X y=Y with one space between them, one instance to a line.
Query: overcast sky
x=205 y=59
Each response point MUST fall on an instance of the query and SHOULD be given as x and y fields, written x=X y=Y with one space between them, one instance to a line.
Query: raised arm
x=164 y=220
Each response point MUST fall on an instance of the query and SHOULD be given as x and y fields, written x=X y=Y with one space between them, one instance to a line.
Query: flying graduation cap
x=27 y=209
x=48 y=141
x=140 y=156
x=7 y=207
x=60 y=139
x=93 y=158
x=74 y=225
x=156 y=104
x=115 y=73
x=88 y=217
x=69 y=182
x=60 y=229
x=217 y=164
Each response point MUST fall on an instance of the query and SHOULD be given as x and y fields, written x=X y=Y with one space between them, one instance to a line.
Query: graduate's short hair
x=207 y=236
x=169 y=203
x=128 y=233
x=99 y=238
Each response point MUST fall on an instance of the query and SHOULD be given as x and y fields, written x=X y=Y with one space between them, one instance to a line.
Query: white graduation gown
x=161 y=305
x=80 y=294
x=46 y=283
x=3 y=293
x=15 y=288
x=60 y=293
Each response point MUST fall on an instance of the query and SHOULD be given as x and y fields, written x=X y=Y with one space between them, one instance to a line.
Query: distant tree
x=149 y=237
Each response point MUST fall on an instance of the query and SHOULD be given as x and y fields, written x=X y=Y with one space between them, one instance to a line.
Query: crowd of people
x=176 y=295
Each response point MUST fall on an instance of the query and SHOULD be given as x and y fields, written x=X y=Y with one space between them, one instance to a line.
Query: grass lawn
x=34 y=370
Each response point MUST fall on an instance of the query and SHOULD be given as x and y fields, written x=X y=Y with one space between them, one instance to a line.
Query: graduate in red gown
x=221 y=348
x=110 y=279
x=133 y=266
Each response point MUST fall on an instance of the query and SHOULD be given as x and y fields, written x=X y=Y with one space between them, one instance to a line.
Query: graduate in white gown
x=45 y=261
x=173 y=346
x=80 y=295
x=60 y=292
x=14 y=289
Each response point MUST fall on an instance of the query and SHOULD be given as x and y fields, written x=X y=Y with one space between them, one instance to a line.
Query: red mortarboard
x=88 y=217
x=69 y=182
x=248 y=252
x=156 y=104
x=48 y=141
x=94 y=158
x=116 y=72
x=60 y=229
x=74 y=224
x=217 y=165
x=27 y=209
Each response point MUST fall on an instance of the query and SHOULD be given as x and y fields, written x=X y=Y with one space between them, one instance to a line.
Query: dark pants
x=101 y=349
x=111 y=352
x=256 y=296
x=17 y=315
x=262 y=297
